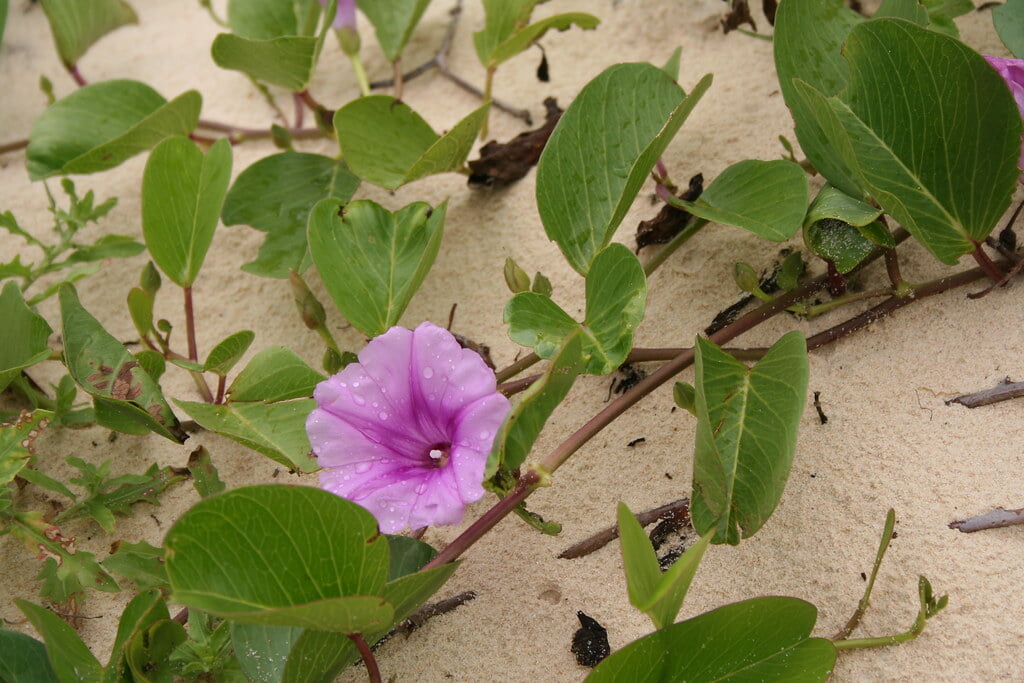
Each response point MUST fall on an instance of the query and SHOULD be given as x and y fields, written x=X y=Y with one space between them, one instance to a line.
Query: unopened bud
x=310 y=309
x=746 y=278
x=149 y=280
x=515 y=277
x=332 y=361
x=349 y=39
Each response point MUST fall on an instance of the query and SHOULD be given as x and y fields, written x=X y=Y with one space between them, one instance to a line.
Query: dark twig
x=1003 y=391
x=440 y=62
x=431 y=610
x=996 y=519
x=13 y=146
x=606 y=536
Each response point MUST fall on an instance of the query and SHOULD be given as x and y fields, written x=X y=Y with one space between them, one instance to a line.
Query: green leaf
x=616 y=295
x=914 y=166
x=671 y=67
x=25 y=339
x=274 y=195
x=139 y=562
x=524 y=423
x=902 y=9
x=747 y=422
x=205 y=477
x=23 y=658
x=102 y=124
x=1008 y=19
x=601 y=151
x=838 y=242
x=182 y=195
x=105 y=369
x=3 y=19
x=228 y=352
x=77 y=25
x=408 y=555
x=224 y=557
x=501 y=20
x=115 y=496
x=371 y=260
x=685 y=396
x=768 y=198
x=274 y=374
x=108 y=246
x=807 y=41
x=831 y=202
x=394 y=21
x=658 y=595
x=386 y=143
x=287 y=61
x=277 y=430
x=148 y=652
x=69 y=657
x=764 y=639
x=16 y=441
x=523 y=38
x=145 y=609
x=262 y=19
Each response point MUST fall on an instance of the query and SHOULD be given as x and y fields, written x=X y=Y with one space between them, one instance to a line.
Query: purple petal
x=1012 y=71
x=447 y=376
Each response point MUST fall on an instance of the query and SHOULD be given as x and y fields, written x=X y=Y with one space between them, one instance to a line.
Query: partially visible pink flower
x=406 y=431
x=346 y=15
x=1012 y=71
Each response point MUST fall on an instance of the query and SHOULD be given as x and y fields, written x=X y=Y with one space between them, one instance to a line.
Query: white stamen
x=436 y=453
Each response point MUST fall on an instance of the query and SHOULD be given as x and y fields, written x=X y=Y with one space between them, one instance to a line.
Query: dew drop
x=375 y=404
x=355 y=385
x=362 y=467
x=421 y=489
x=382 y=415
x=484 y=435
x=358 y=400
x=428 y=372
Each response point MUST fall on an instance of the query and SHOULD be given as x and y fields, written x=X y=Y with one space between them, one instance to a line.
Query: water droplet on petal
x=355 y=385
x=382 y=415
x=484 y=435
x=428 y=372
x=362 y=467
x=421 y=489
x=358 y=400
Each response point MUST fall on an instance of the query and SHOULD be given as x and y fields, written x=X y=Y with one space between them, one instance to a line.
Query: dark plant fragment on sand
x=504 y=163
x=671 y=220
x=590 y=642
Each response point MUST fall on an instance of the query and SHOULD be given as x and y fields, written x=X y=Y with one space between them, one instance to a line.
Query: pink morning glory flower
x=406 y=431
x=1012 y=71
x=346 y=15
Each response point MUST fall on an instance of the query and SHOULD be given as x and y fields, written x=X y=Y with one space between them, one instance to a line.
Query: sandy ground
x=890 y=440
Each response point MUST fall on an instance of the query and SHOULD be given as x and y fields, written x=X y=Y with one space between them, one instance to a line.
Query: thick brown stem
x=372 y=671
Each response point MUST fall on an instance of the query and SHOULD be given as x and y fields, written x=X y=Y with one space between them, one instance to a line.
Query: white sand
x=890 y=440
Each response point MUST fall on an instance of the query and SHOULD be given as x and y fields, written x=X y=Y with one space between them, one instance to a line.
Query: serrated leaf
x=767 y=198
x=277 y=430
x=764 y=639
x=108 y=246
x=102 y=124
x=274 y=374
x=1008 y=19
x=275 y=195
x=228 y=352
x=221 y=559
x=386 y=143
x=77 y=25
x=601 y=151
x=70 y=658
x=105 y=369
x=205 y=477
x=525 y=421
x=23 y=658
x=16 y=441
x=371 y=260
x=182 y=194
x=116 y=496
x=747 y=422
x=26 y=335
x=913 y=165
x=393 y=21
x=616 y=294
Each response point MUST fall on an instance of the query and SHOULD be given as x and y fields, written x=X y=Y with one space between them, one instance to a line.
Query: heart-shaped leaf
x=102 y=124
x=616 y=294
x=105 y=369
x=914 y=166
x=262 y=19
x=281 y=555
x=371 y=260
x=747 y=422
x=386 y=143
x=768 y=198
x=26 y=337
x=525 y=421
x=764 y=639
x=274 y=374
x=601 y=151
x=394 y=21
x=277 y=430
x=77 y=25
x=659 y=595
x=275 y=195
x=182 y=194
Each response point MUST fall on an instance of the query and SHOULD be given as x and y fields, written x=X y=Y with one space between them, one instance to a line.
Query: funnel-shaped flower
x=346 y=15
x=1012 y=71
x=406 y=431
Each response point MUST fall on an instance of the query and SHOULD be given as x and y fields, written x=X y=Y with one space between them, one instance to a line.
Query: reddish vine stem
x=367 y=654
x=985 y=262
x=190 y=326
